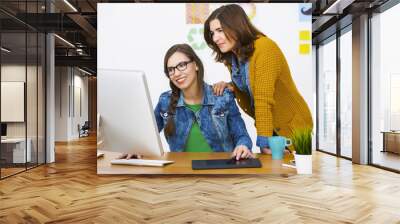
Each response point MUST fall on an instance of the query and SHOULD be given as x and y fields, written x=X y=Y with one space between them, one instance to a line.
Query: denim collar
x=208 y=96
x=238 y=68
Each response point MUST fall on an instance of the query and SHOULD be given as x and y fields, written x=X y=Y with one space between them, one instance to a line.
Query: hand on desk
x=242 y=152
x=269 y=152
x=129 y=156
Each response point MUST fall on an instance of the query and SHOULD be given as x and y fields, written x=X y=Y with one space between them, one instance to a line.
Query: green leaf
x=302 y=141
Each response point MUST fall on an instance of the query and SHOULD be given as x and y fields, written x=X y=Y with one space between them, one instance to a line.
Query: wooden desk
x=183 y=165
x=391 y=141
x=17 y=150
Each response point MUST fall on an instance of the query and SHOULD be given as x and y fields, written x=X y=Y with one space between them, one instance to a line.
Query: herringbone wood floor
x=69 y=191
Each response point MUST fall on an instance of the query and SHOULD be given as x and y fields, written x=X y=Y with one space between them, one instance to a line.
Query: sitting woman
x=193 y=118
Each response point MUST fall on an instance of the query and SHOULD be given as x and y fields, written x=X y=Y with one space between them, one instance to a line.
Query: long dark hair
x=189 y=52
x=237 y=26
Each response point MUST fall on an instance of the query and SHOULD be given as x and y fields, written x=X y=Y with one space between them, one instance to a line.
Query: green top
x=196 y=141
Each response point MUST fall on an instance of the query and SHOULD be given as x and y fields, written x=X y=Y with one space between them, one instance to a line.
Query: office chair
x=84 y=130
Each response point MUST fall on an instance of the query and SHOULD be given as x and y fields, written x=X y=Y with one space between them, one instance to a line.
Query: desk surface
x=183 y=165
x=391 y=132
x=13 y=140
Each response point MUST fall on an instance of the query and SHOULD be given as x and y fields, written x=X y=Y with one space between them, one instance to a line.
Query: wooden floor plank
x=70 y=191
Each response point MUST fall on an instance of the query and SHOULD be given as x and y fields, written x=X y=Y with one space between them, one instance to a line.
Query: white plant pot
x=303 y=164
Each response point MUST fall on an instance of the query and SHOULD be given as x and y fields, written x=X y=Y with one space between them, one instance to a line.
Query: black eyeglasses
x=181 y=67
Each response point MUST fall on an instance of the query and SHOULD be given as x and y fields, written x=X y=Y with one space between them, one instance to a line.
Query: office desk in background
x=391 y=141
x=15 y=148
x=183 y=165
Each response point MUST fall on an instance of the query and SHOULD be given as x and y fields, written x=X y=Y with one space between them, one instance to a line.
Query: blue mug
x=277 y=145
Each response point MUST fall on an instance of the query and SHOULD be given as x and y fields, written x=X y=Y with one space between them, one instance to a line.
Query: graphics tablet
x=225 y=164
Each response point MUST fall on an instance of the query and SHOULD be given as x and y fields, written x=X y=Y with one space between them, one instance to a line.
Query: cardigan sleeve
x=268 y=61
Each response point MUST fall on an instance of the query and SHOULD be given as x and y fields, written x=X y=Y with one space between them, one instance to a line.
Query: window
x=385 y=88
x=346 y=94
x=22 y=66
x=327 y=96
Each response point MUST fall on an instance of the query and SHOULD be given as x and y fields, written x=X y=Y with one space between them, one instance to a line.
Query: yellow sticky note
x=304 y=48
x=304 y=35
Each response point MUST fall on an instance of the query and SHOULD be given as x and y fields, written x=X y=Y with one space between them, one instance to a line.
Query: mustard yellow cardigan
x=278 y=104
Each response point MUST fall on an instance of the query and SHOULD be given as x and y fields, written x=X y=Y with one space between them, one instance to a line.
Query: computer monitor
x=127 y=122
x=3 y=130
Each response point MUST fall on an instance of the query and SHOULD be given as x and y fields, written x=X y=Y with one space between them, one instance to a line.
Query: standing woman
x=260 y=75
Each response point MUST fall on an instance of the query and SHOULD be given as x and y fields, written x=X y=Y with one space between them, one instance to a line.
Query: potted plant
x=302 y=141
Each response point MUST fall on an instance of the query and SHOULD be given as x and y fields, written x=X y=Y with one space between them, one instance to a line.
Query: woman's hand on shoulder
x=219 y=87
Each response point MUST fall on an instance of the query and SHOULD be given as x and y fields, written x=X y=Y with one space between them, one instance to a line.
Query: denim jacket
x=219 y=120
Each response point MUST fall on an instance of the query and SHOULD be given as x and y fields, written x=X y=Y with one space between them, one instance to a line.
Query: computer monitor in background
x=127 y=119
x=3 y=130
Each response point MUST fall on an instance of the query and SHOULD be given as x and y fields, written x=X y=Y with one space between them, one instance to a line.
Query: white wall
x=80 y=84
x=61 y=103
x=15 y=73
x=12 y=100
x=33 y=127
x=12 y=73
x=136 y=36
x=68 y=82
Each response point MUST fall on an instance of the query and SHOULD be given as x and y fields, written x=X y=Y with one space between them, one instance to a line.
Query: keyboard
x=140 y=162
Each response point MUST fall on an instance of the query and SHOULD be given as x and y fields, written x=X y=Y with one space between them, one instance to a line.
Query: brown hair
x=189 y=52
x=237 y=26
